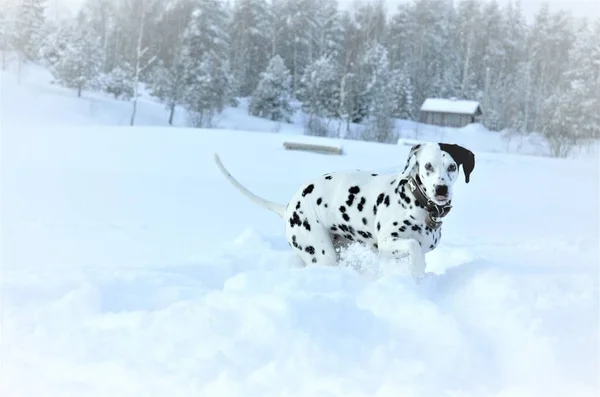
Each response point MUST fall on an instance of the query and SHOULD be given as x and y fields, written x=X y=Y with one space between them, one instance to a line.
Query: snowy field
x=130 y=267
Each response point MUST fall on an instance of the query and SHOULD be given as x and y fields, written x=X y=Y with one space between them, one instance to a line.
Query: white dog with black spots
x=397 y=215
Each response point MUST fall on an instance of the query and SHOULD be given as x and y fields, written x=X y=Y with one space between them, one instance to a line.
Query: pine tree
x=7 y=32
x=208 y=92
x=77 y=64
x=118 y=82
x=205 y=62
x=320 y=93
x=380 y=96
x=402 y=94
x=101 y=18
x=29 y=28
x=271 y=99
x=169 y=84
x=251 y=43
x=329 y=31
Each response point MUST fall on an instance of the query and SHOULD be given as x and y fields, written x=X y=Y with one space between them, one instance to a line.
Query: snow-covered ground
x=130 y=267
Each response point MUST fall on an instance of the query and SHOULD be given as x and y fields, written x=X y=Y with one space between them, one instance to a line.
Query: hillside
x=55 y=105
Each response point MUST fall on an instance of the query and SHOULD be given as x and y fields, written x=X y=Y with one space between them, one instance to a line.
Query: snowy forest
x=364 y=64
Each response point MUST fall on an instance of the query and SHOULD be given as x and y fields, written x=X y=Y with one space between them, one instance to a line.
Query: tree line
x=362 y=65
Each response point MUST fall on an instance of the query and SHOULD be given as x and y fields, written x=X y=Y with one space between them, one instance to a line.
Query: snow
x=130 y=267
x=459 y=106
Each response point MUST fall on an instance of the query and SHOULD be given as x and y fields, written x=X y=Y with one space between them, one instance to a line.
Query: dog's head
x=435 y=167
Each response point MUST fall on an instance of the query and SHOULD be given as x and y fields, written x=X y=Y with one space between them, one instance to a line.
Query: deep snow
x=130 y=267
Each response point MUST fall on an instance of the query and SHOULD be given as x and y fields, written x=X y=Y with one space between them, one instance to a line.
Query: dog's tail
x=277 y=208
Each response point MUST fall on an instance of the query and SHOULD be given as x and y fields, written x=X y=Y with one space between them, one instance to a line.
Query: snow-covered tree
x=381 y=100
x=140 y=61
x=205 y=62
x=208 y=92
x=118 y=82
x=169 y=84
x=329 y=32
x=100 y=16
x=320 y=91
x=570 y=115
x=271 y=99
x=251 y=44
x=7 y=32
x=29 y=28
x=402 y=94
x=78 y=59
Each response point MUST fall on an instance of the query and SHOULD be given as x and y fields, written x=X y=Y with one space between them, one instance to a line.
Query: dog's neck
x=434 y=211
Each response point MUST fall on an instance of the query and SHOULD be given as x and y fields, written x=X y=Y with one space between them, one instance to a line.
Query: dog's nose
x=441 y=190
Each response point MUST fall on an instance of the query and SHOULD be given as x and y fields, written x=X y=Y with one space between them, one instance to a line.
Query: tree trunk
x=171 y=113
x=20 y=63
x=132 y=121
x=139 y=53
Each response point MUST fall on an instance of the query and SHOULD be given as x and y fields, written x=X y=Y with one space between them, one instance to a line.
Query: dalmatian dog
x=397 y=215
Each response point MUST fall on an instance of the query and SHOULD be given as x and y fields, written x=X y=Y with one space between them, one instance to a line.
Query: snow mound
x=248 y=320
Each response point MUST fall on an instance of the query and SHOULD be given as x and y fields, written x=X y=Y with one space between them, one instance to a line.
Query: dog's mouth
x=441 y=199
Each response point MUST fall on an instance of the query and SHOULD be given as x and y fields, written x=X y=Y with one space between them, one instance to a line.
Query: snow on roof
x=452 y=105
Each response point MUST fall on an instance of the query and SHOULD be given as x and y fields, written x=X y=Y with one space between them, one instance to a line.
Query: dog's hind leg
x=312 y=243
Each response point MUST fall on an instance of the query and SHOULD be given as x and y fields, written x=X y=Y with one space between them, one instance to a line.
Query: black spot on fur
x=347 y=229
x=295 y=220
x=364 y=221
x=375 y=210
x=319 y=201
x=387 y=201
x=380 y=198
x=361 y=204
x=298 y=205
x=402 y=228
x=393 y=181
x=407 y=222
x=322 y=252
x=306 y=225
x=376 y=246
x=350 y=200
x=431 y=246
x=346 y=217
x=309 y=189
x=342 y=209
x=366 y=235
x=416 y=228
x=354 y=190
x=378 y=226
x=314 y=260
x=395 y=223
x=394 y=234
x=326 y=205
x=328 y=177
x=295 y=243
x=405 y=197
x=373 y=174
x=310 y=249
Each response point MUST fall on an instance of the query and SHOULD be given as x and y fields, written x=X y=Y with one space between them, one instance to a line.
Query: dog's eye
x=452 y=168
x=428 y=167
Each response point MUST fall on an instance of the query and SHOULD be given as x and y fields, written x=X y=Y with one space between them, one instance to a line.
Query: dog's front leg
x=398 y=248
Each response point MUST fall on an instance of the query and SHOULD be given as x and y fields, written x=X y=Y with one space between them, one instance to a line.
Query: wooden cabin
x=450 y=112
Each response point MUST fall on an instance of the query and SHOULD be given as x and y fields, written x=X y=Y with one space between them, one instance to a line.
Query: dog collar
x=434 y=211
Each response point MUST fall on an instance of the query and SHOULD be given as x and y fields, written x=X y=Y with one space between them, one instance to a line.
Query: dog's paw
x=417 y=269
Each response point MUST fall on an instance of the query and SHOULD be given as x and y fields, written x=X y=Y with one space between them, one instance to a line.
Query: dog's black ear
x=411 y=159
x=461 y=156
